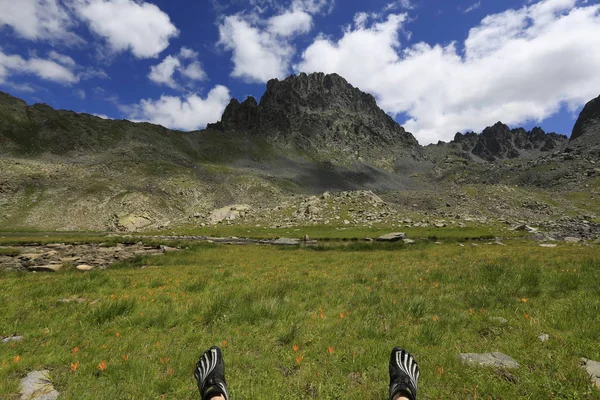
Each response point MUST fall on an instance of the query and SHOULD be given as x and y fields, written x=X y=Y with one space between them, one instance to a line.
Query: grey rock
x=440 y=225
x=489 y=360
x=12 y=339
x=392 y=237
x=286 y=242
x=593 y=370
x=548 y=245
x=572 y=240
x=84 y=267
x=408 y=241
x=544 y=337
x=38 y=386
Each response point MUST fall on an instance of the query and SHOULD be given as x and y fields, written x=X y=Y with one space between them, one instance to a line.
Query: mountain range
x=308 y=134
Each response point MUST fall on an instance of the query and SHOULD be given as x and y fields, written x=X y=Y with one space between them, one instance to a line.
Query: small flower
x=125 y=357
x=524 y=300
x=170 y=372
x=16 y=359
x=439 y=370
x=74 y=366
x=295 y=347
x=435 y=318
x=224 y=343
x=342 y=315
x=322 y=314
x=117 y=334
x=330 y=349
x=75 y=350
x=102 y=365
x=526 y=316
x=299 y=359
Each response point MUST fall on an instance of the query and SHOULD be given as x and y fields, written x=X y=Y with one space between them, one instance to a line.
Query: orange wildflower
x=75 y=350
x=527 y=316
x=170 y=372
x=524 y=300
x=16 y=359
x=299 y=359
x=342 y=315
x=435 y=318
x=295 y=347
x=125 y=357
x=330 y=349
x=102 y=365
x=322 y=314
x=74 y=366
x=224 y=343
x=395 y=302
x=117 y=334
x=439 y=370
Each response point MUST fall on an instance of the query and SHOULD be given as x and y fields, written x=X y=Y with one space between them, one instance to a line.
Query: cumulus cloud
x=262 y=47
x=515 y=66
x=187 y=113
x=44 y=69
x=163 y=73
x=132 y=25
x=38 y=20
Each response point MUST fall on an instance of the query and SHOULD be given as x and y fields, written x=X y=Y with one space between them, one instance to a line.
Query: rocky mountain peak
x=322 y=113
x=588 y=121
x=500 y=142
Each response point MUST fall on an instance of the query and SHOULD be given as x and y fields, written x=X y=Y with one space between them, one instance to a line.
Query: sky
x=436 y=66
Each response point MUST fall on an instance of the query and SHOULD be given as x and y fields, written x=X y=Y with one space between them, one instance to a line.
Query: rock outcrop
x=324 y=114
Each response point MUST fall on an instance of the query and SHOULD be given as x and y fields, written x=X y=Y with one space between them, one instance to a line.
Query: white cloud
x=258 y=55
x=38 y=20
x=45 y=69
x=62 y=59
x=473 y=7
x=140 y=27
x=515 y=66
x=291 y=23
x=188 y=113
x=163 y=73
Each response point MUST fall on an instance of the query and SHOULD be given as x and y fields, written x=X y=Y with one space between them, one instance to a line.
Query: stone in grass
x=392 y=237
x=84 y=267
x=548 y=245
x=408 y=241
x=544 y=337
x=593 y=370
x=38 y=386
x=12 y=338
x=572 y=240
x=488 y=360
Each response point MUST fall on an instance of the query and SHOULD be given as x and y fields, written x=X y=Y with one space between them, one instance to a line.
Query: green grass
x=150 y=324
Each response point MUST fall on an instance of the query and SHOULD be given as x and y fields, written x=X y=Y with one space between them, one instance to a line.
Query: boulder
x=593 y=370
x=488 y=360
x=228 y=213
x=286 y=242
x=392 y=237
x=132 y=223
x=572 y=240
x=38 y=386
x=408 y=241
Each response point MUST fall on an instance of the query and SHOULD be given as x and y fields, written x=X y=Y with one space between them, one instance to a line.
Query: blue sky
x=437 y=66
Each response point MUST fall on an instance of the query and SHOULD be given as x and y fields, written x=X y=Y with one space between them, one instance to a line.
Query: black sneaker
x=404 y=374
x=210 y=374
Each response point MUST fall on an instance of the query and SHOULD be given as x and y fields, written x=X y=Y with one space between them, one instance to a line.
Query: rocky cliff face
x=586 y=132
x=324 y=114
x=499 y=142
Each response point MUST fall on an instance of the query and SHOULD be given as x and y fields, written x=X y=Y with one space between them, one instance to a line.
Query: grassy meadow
x=318 y=322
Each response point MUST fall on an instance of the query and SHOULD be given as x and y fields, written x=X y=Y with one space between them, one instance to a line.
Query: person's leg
x=404 y=375
x=210 y=375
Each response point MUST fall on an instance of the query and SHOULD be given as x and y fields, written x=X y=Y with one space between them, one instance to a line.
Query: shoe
x=404 y=374
x=210 y=374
